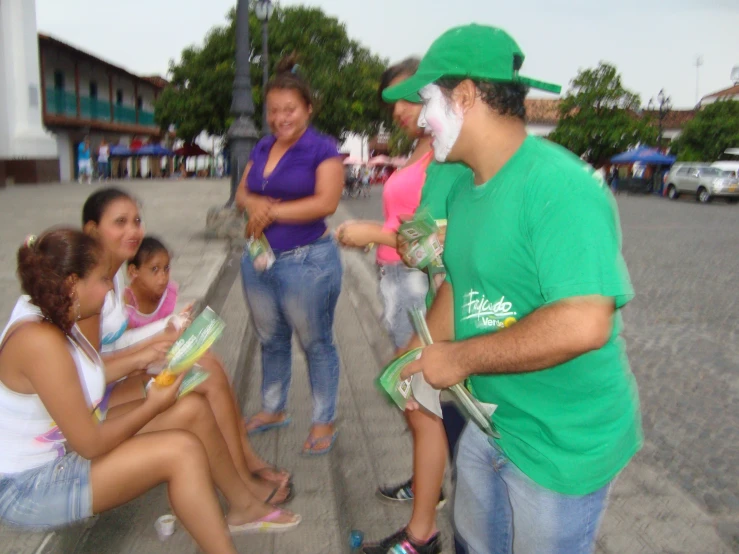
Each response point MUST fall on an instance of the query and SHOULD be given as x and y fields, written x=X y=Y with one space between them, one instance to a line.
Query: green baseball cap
x=471 y=52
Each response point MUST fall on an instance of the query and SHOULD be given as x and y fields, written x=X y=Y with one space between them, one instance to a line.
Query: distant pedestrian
x=614 y=179
x=84 y=161
x=103 y=157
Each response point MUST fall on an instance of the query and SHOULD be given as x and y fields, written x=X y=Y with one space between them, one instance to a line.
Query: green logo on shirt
x=487 y=314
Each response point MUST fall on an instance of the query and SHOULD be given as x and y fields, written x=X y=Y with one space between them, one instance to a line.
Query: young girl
x=62 y=459
x=152 y=295
x=422 y=184
x=401 y=287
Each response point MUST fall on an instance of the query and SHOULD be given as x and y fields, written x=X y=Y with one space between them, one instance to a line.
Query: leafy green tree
x=599 y=117
x=343 y=75
x=400 y=144
x=713 y=129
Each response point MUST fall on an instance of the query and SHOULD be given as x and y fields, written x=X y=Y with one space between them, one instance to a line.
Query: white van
x=733 y=167
x=729 y=161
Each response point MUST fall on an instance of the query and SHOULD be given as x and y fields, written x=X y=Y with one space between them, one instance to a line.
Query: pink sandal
x=267 y=524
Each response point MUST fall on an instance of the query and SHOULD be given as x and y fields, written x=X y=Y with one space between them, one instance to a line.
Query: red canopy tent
x=189 y=150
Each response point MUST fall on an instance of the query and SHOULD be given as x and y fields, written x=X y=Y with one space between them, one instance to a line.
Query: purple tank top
x=293 y=178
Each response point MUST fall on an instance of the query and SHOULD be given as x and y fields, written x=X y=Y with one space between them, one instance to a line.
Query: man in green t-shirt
x=529 y=317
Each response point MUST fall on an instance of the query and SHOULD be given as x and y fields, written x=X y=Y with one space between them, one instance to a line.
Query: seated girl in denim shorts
x=61 y=458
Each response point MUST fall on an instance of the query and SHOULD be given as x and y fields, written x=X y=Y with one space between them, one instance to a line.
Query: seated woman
x=61 y=459
x=112 y=217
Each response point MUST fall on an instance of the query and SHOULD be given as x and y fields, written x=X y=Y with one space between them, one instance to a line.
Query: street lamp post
x=242 y=134
x=663 y=107
x=263 y=10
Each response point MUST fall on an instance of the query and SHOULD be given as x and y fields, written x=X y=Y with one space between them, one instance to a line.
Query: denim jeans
x=499 y=510
x=401 y=288
x=298 y=293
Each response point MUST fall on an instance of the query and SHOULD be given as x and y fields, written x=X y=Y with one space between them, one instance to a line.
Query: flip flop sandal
x=290 y=495
x=265 y=426
x=311 y=450
x=259 y=473
x=266 y=524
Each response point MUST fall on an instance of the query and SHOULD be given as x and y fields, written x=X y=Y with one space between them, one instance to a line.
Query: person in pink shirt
x=152 y=295
x=401 y=287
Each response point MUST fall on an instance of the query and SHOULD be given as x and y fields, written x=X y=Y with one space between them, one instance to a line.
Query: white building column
x=27 y=151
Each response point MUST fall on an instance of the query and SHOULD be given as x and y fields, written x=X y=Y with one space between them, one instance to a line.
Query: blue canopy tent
x=643 y=155
x=153 y=150
x=120 y=151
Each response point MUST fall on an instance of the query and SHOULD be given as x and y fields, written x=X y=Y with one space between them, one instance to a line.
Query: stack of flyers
x=422 y=233
x=195 y=341
x=399 y=391
x=422 y=225
x=479 y=412
x=261 y=253
x=192 y=379
x=425 y=252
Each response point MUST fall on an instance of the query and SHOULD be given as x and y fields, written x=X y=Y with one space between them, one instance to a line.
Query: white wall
x=671 y=134
x=21 y=84
x=356 y=146
x=125 y=84
x=147 y=93
x=711 y=100
x=55 y=60
x=66 y=156
x=4 y=125
x=539 y=129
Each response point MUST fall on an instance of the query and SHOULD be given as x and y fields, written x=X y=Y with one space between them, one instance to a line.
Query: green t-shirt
x=440 y=179
x=543 y=229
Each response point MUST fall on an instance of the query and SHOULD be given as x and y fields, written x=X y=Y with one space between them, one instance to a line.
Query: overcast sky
x=653 y=43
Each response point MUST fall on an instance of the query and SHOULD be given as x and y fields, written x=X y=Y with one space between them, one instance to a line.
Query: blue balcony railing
x=124 y=114
x=93 y=108
x=61 y=102
x=146 y=118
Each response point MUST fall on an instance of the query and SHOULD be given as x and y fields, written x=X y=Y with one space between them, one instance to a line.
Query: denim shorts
x=53 y=495
x=401 y=289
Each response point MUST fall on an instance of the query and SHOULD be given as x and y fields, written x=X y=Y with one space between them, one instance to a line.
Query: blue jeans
x=499 y=510
x=53 y=495
x=298 y=293
x=401 y=288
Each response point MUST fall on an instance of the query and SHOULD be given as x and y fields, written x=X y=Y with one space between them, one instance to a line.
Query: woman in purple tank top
x=292 y=182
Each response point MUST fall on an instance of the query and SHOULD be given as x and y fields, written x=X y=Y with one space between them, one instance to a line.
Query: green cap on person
x=472 y=52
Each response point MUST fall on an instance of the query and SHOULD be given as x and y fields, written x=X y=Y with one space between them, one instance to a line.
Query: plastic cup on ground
x=165 y=526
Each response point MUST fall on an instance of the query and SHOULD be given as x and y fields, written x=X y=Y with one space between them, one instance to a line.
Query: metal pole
x=265 y=74
x=242 y=134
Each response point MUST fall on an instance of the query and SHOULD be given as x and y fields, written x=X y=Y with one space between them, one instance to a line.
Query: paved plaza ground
x=679 y=495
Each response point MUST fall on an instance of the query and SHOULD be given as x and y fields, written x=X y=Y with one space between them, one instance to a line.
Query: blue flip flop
x=267 y=426
x=312 y=451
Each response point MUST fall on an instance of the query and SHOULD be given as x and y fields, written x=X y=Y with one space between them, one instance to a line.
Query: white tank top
x=114 y=332
x=29 y=438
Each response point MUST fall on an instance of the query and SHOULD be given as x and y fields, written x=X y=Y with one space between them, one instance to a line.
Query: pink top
x=401 y=196
x=164 y=309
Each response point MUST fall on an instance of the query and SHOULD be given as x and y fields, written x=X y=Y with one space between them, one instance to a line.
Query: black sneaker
x=404 y=493
x=401 y=543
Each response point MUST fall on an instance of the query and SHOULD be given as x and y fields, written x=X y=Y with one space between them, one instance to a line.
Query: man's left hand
x=440 y=365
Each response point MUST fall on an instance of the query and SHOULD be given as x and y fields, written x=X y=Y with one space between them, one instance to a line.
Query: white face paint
x=442 y=117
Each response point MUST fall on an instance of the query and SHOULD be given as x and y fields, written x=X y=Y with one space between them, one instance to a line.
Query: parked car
x=731 y=167
x=703 y=181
